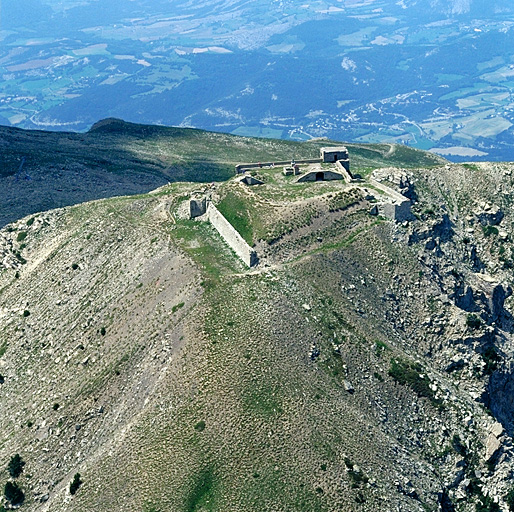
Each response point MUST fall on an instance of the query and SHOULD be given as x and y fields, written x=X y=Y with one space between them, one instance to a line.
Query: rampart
x=398 y=208
x=231 y=236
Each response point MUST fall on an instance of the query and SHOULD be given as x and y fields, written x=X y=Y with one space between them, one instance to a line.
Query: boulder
x=492 y=445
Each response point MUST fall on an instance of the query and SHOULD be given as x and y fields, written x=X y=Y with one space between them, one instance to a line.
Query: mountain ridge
x=360 y=366
x=116 y=158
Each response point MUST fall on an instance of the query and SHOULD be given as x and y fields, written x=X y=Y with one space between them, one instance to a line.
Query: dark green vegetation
x=484 y=503
x=491 y=359
x=13 y=493
x=411 y=374
x=200 y=426
x=176 y=307
x=473 y=321
x=75 y=484
x=203 y=492
x=15 y=466
x=490 y=230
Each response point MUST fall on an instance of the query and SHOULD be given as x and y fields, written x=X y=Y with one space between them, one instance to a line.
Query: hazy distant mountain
x=434 y=74
x=436 y=8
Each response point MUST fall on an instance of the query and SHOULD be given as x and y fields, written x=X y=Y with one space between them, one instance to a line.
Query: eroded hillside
x=363 y=365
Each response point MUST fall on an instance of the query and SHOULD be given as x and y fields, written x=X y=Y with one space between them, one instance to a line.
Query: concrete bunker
x=319 y=175
x=291 y=170
x=331 y=155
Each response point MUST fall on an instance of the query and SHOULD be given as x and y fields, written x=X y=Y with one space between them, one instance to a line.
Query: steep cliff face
x=363 y=365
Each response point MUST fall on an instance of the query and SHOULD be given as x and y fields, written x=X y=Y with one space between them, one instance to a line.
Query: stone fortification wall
x=197 y=207
x=231 y=236
x=344 y=169
x=398 y=212
x=254 y=165
x=397 y=208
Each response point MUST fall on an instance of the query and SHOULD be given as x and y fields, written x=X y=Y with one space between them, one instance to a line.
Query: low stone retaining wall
x=231 y=236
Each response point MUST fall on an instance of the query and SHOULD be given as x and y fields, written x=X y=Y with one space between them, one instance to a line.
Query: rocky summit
x=363 y=364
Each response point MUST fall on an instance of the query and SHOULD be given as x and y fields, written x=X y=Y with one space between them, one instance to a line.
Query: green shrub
x=358 y=477
x=15 y=466
x=31 y=221
x=490 y=230
x=381 y=347
x=26 y=313
x=491 y=359
x=55 y=406
x=20 y=258
x=473 y=321
x=458 y=446
x=175 y=308
x=486 y=504
x=200 y=426
x=103 y=331
x=409 y=374
x=21 y=236
x=13 y=494
x=75 y=484
x=74 y=266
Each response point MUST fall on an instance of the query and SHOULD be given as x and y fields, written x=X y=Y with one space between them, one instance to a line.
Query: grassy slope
x=177 y=153
x=276 y=427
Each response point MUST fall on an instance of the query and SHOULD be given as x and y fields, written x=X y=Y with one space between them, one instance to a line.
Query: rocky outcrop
x=490 y=216
x=440 y=230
